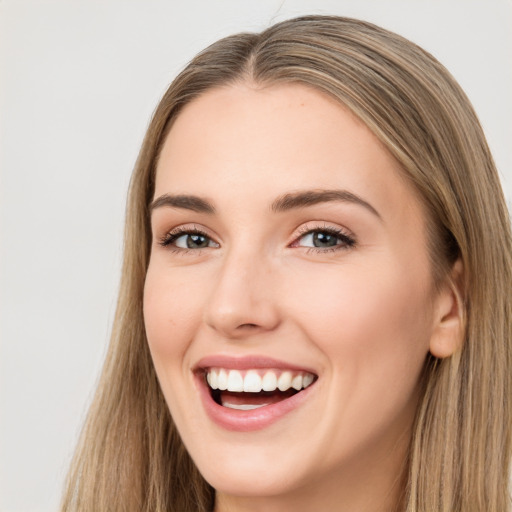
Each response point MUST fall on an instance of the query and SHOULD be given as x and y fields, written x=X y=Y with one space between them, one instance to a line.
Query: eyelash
x=169 y=238
x=347 y=241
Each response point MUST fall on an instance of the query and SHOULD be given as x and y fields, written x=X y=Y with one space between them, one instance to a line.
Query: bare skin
x=341 y=286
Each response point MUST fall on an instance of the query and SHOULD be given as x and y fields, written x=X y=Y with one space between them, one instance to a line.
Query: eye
x=325 y=239
x=187 y=239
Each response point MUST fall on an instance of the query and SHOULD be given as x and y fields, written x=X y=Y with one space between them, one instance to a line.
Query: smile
x=251 y=393
x=252 y=389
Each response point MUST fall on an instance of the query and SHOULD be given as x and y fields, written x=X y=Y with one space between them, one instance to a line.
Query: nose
x=243 y=299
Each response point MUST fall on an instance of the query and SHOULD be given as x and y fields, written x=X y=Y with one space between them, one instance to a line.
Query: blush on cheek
x=156 y=319
x=169 y=317
x=360 y=315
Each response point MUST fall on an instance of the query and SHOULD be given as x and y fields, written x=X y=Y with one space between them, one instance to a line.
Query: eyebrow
x=286 y=202
x=307 y=198
x=187 y=202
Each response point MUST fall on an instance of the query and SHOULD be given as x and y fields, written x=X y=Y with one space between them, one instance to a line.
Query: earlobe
x=449 y=316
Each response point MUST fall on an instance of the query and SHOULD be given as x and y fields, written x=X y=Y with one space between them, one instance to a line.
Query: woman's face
x=287 y=253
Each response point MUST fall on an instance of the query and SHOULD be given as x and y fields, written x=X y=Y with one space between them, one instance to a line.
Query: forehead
x=263 y=142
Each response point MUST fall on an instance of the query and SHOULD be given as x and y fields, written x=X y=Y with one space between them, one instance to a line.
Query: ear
x=449 y=316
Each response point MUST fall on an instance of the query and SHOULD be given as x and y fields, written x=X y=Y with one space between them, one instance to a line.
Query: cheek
x=171 y=314
x=368 y=322
x=373 y=331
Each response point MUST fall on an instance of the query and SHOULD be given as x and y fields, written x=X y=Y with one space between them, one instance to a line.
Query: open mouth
x=245 y=390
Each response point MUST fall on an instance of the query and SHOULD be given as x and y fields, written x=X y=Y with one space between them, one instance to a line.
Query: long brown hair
x=130 y=456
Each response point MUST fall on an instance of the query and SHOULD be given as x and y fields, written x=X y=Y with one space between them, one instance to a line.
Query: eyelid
x=310 y=226
x=348 y=239
x=181 y=230
x=341 y=232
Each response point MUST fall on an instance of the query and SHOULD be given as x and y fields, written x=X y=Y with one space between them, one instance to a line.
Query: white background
x=78 y=83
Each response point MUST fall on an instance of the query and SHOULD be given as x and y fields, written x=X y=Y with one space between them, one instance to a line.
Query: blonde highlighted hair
x=130 y=456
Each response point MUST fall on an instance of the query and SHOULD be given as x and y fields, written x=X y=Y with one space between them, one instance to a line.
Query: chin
x=254 y=482
x=247 y=468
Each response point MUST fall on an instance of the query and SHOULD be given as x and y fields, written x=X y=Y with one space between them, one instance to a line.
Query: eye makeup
x=320 y=239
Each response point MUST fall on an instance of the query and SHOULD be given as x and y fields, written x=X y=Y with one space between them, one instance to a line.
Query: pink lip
x=246 y=363
x=255 y=419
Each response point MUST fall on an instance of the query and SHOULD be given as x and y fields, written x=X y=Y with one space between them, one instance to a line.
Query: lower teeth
x=249 y=401
x=242 y=407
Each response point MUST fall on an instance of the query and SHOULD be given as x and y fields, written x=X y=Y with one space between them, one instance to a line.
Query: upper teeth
x=255 y=381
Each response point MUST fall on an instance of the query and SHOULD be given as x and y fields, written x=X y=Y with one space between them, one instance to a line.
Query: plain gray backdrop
x=78 y=83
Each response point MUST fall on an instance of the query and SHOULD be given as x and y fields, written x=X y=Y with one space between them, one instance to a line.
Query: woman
x=314 y=311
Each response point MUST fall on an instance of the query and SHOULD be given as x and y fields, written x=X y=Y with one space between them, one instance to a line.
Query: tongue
x=247 y=401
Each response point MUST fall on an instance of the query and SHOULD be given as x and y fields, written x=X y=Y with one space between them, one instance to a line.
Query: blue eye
x=188 y=240
x=326 y=239
x=192 y=241
x=321 y=239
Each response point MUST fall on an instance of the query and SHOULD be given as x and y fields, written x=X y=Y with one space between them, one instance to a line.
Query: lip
x=247 y=363
x=255 y=419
